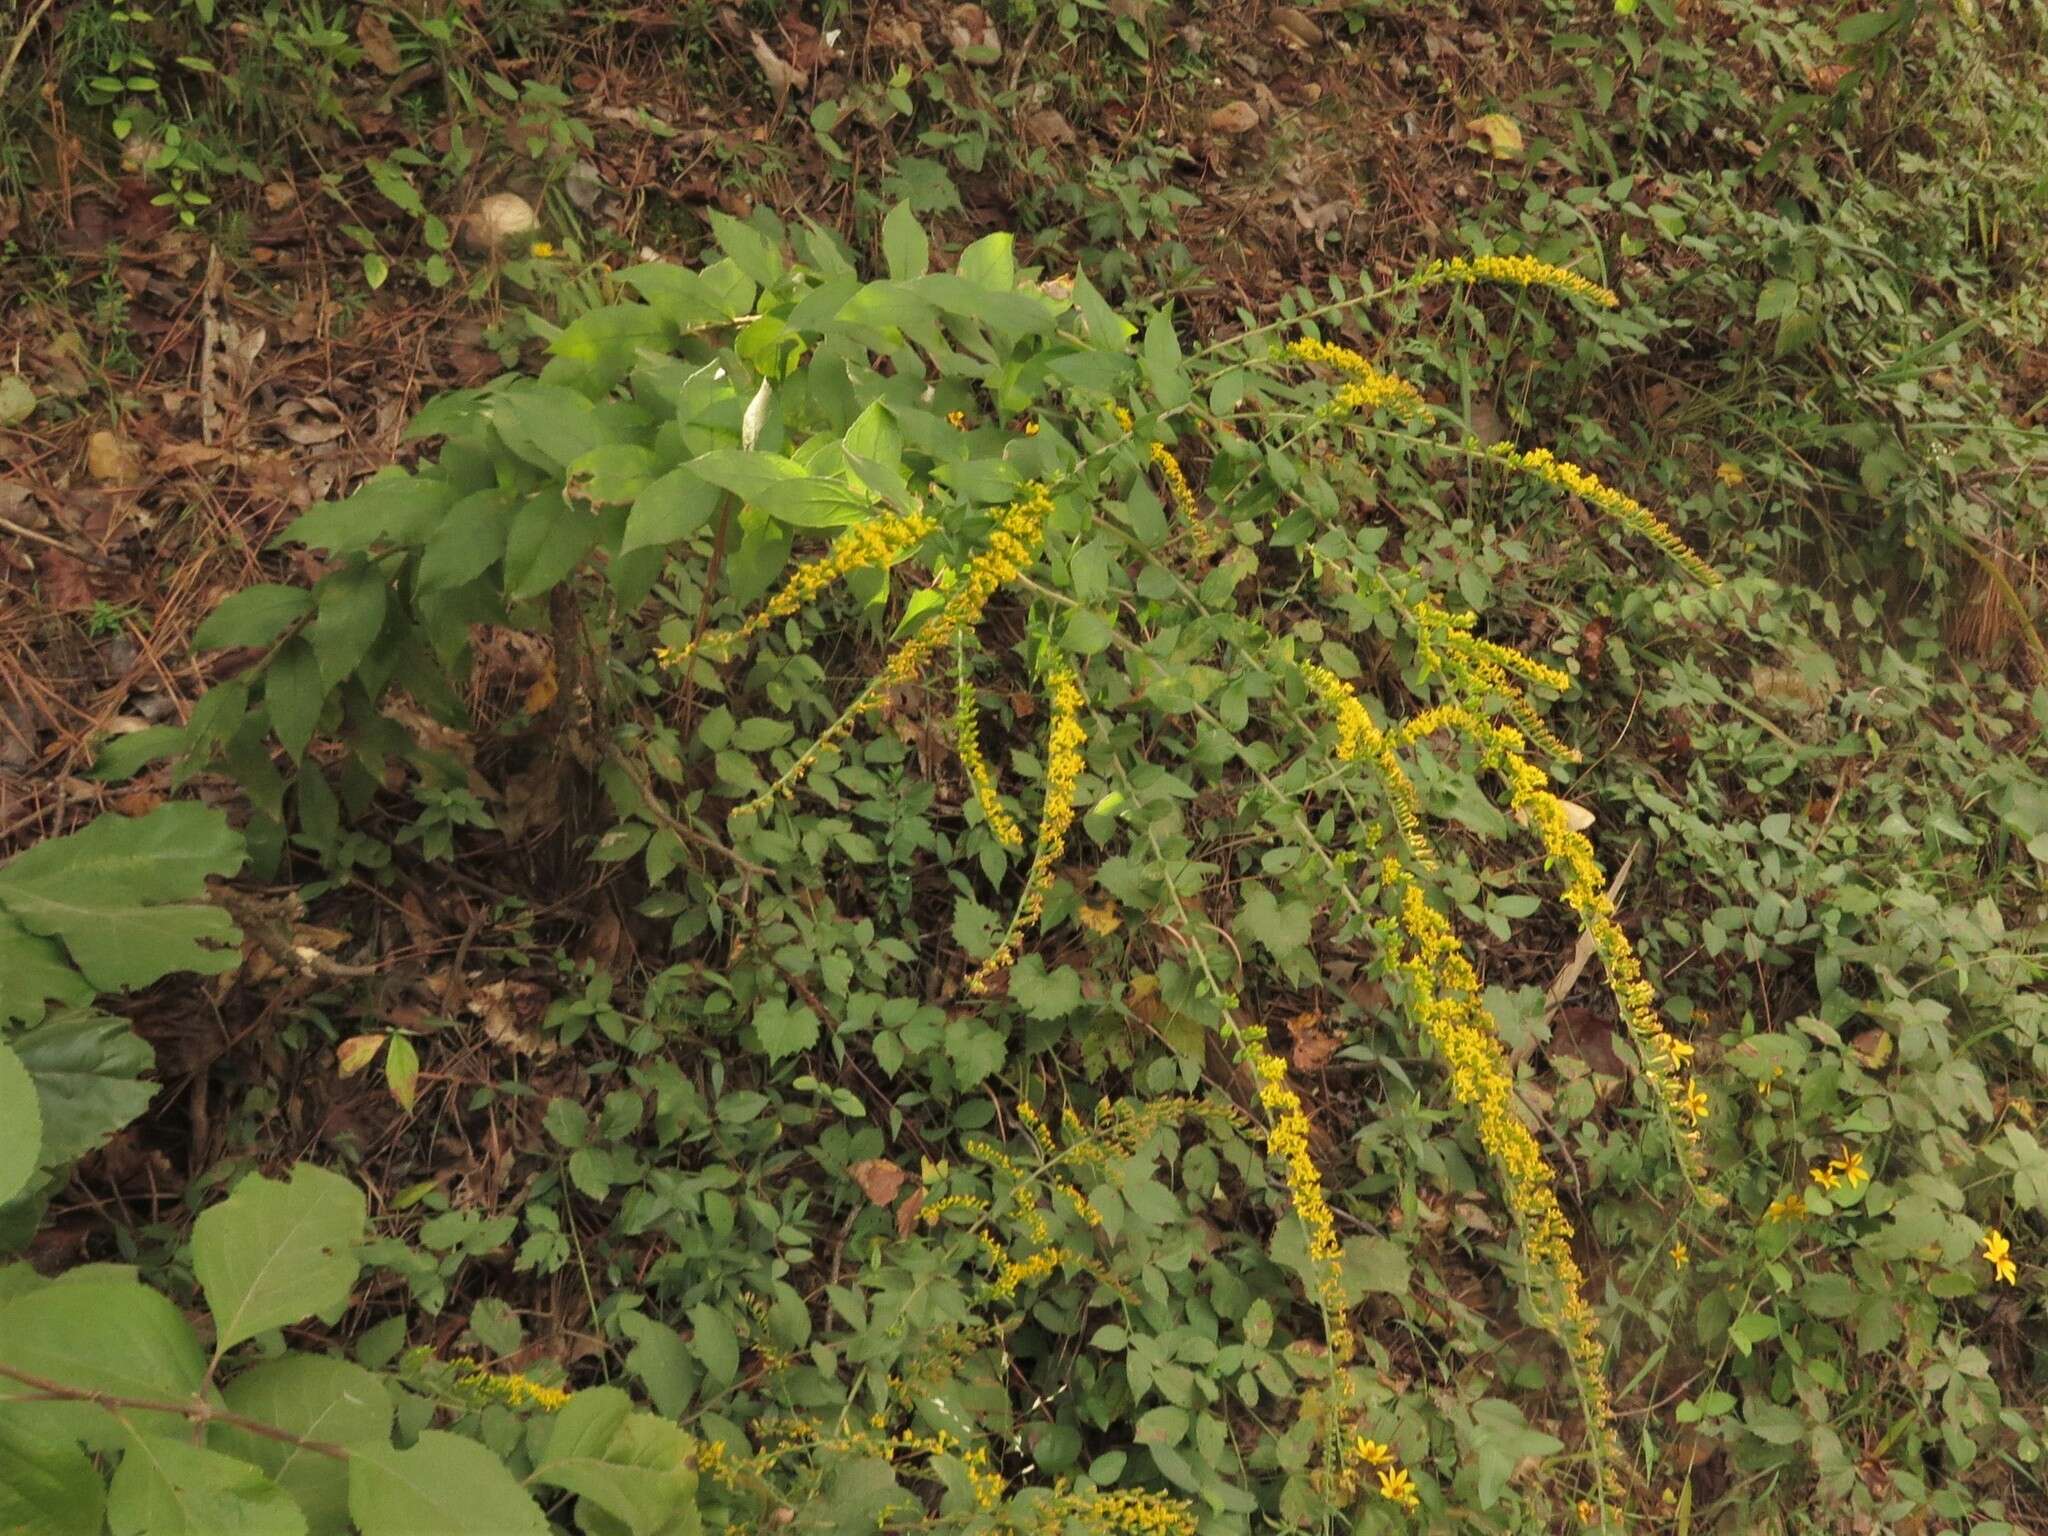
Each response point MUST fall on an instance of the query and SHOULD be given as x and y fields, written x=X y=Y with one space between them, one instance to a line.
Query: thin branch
x=197 y=1410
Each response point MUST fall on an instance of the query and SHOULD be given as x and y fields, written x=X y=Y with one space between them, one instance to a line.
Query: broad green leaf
x=253 y=616
x=991 y=262
x=749 y=249
x=1283 y=928
x=905 y=247
x=781 y=488
x=443 y=1486
x=88 y=1069
x=545 y=541
x=21 y=1125
x=633 y=1466
x=714 y=1343
x=122 y=895
x=470 y=539
x=352 y=603
x=272 y=1254
x=102 y=1333
x=1501 y=1440
x=167 y=1487
x=675 y=293
x=548 y=426
x=610 y=475
x=314 y=1397
x=293 y=692
x=784 y=1030
x=395 y=506
x=670 y=508
x=47 y=1487
x=1164 y=369
x=35 y=973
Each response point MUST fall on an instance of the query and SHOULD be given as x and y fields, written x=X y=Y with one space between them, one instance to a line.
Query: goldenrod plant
x=991 y=467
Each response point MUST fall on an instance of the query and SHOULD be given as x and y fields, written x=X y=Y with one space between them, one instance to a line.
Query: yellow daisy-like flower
x=1790 y=1208
x=542 y=249
x=1397 y=1487
x=1998 y=1254
x=1850 y=1166
x=1730 y=475
x=1680 y=1256
x=1696 y=1104
x=1371 y=1452
x=1826 y=1178
x=1542 y=464
x=1519 y=272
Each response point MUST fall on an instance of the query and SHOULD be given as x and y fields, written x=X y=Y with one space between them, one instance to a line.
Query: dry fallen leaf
x=1236 y=117
x=783 y=77
x=1503 y=136
x=509 y=1011
x=357 y=1052
x=878 y=1178
x=379 y=46
x=1295 y=29
x=1046 y=128
x=1313 y=1046
x=111 y=459
x=907 y=1212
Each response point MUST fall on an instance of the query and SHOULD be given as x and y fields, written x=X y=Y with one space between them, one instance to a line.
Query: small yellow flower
x=1998 y=1254
x=1562 y=474
x=1371 y=1452
x=1680 y=1256
x=1695 y=1102
x=1850 y=1166
x=1397 y=1487
x=543 y=249
x=1031 y=429
x=1791 y=1208
x=1730 y=475
x=958 y=419
x=1520 y=272
x=1826 y=1178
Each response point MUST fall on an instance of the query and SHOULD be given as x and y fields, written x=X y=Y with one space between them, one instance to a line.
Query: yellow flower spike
x=1014 y=543
x=1998 y=1254
x=1184 y=498
x=1542 y=464
x=1359 y=739
x=1287 y=1143
x=1366 y=388
x=1518 y=272
x=1397 y=1487
x=1065 y=738
x=967 y=741
x=872 y=545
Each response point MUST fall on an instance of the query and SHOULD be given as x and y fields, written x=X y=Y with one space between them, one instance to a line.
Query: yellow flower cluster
x=1542 y=464
x=1445 y=998
x=1998 y=1254
x=873 y=545
x=1063 y=763
x=1287 y=1142
x=1519 y=272
x=1359 y=739
x=1790 y=1208
x=1396 y=1485
x=1184 y=498
x=1444 y=642
x=967 y=739
x=464 y=1378
x=1366 y=388
x=1120 y=1512
x=1015 y=542
x=1845 y=1167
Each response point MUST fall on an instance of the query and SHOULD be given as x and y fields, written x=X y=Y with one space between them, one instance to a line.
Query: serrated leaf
x=315 y=1397
x=167 y=1487
x=253 y=616
x=121 y=895
x=784 y=1030
x=633 y=1466
x=88 y=1069
x=1282 y=927
x=47 y=1487
x=445 y=1485
x=272 y=1254
x=21 y=1125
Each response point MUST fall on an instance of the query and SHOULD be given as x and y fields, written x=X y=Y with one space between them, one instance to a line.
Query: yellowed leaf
x=1502 y=134
x=357 y=1052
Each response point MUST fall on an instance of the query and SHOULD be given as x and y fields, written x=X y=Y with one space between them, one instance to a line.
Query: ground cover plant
x=907 y=877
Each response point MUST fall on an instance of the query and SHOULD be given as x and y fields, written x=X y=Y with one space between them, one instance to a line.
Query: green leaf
x=402 y=1071
x=784 y=1030
x=544 y=543
x=444 y=1485
x=714 y=1343
x=1283 y=928
x=747 y=246
x=21 y=1125
x=611 y=474
x=167 y=1487
x=1164 y=369
x=781 y=487
x=121 y=895
x=470 y=539
x=675 y=293
x=272 y=1254
x=47 y=1487
x=316 y=1398
x=292 y=689
x=670 y=508
x=904 y=245
x=352 y=603
x=991 y=262
x=632 y=1466
x=102 y=1333
x=253 y=616
x=546 y=425
x=89 y=1071
x=1500 y=1440
x=1376 y=1264
x=34 y=973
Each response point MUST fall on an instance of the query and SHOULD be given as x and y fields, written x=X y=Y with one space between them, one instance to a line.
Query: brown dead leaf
x=878 y=1178
x=1295 y=29
x=1234 y=117
x=972 y=36
x=279 y=195
x=907 y=1212
x=66 y=586
x=111 y=459
x=311 y=421
x=1047 y=129
x=1873 y=1048
x=783 y=77
x=510 y=1012
x=379 y=46
x=1312 y=1046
